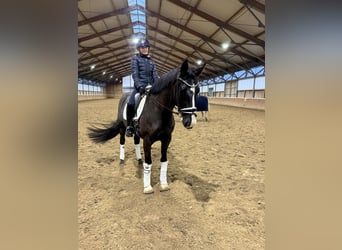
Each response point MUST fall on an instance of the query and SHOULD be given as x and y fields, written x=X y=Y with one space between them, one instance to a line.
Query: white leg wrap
x=147 y=179
x=122 y=152
x=137 y=151
x=163 y=173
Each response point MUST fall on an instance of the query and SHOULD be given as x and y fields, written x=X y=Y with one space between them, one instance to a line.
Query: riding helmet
x=143 y=43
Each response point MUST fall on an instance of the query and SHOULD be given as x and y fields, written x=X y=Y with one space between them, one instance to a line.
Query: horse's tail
x=109 y=131
x=101 y=135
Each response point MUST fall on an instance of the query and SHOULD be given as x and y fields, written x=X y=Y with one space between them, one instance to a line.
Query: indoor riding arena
x=216 y=170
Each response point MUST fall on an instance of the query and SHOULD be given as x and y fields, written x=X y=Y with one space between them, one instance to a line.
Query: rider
x=143 y=73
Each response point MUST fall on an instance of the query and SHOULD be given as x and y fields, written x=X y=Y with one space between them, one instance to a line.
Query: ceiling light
x=199 y=62
x=92 y=67
x=104 y=72
x=225 y=45
x=135 y=40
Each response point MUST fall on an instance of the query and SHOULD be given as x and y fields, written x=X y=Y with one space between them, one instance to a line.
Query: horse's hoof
x=122 y=162
x=148 y=190
x=164 y=187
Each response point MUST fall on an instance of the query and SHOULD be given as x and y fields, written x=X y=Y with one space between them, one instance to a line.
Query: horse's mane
x=164 y=81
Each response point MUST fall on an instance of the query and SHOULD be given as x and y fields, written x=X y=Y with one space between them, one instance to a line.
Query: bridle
x=189 y=110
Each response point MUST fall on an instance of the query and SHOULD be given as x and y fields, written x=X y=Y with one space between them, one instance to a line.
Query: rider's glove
x=141 y=90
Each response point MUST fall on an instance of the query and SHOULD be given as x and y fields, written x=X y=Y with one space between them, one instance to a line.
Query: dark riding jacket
x=143 y=71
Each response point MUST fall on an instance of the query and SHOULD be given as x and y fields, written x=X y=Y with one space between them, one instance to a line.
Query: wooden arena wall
x=115 y=91
x=110 y=91
x=251 y=103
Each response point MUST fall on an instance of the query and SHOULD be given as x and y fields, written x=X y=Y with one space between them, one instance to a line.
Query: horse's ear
x=198 y=71
x=184 y=68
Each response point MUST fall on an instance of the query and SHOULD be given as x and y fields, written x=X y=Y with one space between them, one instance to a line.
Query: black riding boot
x=130 y=115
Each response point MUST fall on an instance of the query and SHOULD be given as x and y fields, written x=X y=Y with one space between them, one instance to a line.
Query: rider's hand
x=141 y=90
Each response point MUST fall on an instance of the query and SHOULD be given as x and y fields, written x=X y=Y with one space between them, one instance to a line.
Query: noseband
x=189 y=110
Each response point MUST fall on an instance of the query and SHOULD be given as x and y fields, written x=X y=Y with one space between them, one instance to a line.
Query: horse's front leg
x=137 y=149
x=164 y=186
x=147 y=166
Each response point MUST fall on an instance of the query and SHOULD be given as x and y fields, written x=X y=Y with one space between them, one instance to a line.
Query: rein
x=174 y=112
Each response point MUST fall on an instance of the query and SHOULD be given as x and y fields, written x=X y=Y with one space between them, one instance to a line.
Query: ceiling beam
x=255 y=5
x=104 y=66
x=106 y=32
x=195 y=33
x=219 y=22
x=103 y=45
x=188 y=54
x=181 y=59
x=103 y=53
x=191 y=46
x=122 y=11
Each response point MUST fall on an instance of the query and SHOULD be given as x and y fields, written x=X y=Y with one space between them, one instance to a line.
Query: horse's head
x=187 y=91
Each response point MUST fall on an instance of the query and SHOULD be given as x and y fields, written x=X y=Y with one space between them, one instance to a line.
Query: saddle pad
x=138 y=111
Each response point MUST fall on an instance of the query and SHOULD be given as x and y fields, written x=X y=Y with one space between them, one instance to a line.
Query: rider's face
x=143 y=50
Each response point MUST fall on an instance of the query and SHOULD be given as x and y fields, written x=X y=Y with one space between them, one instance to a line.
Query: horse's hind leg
x=164 y=186
x=137 y=149
x=122 y=146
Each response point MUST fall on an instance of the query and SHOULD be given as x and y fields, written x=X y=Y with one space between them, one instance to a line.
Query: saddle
x=138 y=108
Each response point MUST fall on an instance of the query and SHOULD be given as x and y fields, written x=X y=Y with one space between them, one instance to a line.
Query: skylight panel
x=138 y=16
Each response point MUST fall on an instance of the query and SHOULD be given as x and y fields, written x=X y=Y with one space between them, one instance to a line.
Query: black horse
x=178 y=88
